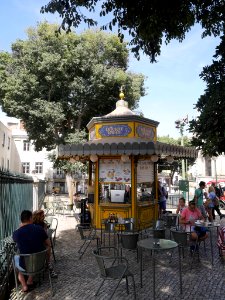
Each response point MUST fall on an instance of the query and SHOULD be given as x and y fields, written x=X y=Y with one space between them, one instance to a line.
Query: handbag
x=216 y=201
x=208 y=202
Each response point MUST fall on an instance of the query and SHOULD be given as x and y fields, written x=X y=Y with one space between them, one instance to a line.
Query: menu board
x=114 y=170
x=145 y=171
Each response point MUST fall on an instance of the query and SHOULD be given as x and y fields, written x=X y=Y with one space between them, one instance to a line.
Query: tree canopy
x=209 y=127
x=147 y=22
x=57 y=83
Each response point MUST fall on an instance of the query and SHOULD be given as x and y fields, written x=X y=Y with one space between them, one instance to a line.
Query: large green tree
x=150 y=23
x=147 y=22
x=209 y=127
x=57 y=83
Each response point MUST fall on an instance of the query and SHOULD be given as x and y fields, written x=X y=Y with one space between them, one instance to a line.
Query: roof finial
x=121 y=95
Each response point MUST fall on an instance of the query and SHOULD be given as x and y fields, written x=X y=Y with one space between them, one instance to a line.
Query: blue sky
x=173 y=83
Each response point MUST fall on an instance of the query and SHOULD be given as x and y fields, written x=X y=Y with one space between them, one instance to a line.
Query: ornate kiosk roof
x=122 y=132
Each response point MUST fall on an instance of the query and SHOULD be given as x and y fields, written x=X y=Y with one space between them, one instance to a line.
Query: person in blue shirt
x=30 y=238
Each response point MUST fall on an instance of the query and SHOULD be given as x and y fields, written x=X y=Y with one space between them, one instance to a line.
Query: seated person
x=181 y=205
x=30 y=238
x=39 y=219
x=221 y=237
x=188 y=217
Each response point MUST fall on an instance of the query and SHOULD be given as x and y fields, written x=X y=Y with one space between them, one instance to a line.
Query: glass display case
x=114 y=180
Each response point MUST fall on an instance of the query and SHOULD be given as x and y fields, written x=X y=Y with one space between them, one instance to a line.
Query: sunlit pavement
x=79 y=279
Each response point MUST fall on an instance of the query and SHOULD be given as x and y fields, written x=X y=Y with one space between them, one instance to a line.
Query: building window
x=3 y=140
x=26 y=145
x=8 y=164
x=3 y=162
x=59 y=171
x=9 y=140
x=26 y=167
x=39 y=167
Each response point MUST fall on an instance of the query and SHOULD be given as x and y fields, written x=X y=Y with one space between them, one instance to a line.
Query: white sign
x=114 y=170
x=145 y=171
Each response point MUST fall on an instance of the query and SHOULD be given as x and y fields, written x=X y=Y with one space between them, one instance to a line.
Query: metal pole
x=215 y=170
x=182 y=162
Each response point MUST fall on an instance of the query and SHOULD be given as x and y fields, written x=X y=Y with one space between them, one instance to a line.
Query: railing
x=16 y=194
x=172 y=200
x=6 y=254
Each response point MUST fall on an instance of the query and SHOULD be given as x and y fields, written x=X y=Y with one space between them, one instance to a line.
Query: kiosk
x=123 y=153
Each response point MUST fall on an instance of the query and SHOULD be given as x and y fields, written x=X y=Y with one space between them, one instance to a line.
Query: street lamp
x=180 y=124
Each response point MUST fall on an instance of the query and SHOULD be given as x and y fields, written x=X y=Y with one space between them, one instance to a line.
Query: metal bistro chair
x=87 y=234
x=108 y=229
x=52 y=223
x=129 y=224
x=128 y=240
x=182 y=237
x=113 y=267
x=30 y=265
x=159 y=229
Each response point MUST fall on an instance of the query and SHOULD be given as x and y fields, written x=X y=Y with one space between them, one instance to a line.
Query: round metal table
x=158 y=245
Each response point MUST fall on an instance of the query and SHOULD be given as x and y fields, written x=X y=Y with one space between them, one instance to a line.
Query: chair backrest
x=129 y=240
x=33 y=263
x=159 y=224
x=170 y=221
x=110 y=227
x=54 y=224
x=159 y=233
x=81 y=231
x=180 y=237
x=129 y=224
x=100 y=261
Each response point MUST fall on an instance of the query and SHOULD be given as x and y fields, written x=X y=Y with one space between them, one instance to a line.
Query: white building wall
x=9 y=158
x=31 y=156
x=198 y=170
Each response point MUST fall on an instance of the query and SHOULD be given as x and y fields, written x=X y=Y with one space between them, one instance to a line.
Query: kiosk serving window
x=114 y=176
x=145 y=178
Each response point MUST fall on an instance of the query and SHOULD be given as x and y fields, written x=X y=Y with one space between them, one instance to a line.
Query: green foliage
x=66 y=165
x=176 y=164
x=148 y=23
x=209 y=126
x=172 y=141
x=57 y=83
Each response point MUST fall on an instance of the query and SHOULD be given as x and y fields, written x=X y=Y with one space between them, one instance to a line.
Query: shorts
x=162 y=205
x=202 y=210
x=200 y=231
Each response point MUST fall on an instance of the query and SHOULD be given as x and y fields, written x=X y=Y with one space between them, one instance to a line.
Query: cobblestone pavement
x=79 y=279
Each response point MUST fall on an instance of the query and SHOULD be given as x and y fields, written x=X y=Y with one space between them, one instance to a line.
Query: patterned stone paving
x=79 y=279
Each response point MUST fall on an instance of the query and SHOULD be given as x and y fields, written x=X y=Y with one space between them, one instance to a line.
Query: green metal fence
x=41 y=192
x=16 y=194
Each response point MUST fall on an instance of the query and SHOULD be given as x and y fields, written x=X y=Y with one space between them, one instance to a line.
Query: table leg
x=211 y=245
x=180 y=271
x=153 y=265
x=141 y=266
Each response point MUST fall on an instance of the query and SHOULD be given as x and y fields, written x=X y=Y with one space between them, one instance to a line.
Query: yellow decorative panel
x=145 y=131
x=146 y=215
